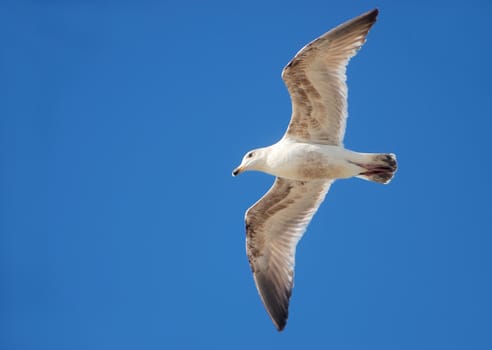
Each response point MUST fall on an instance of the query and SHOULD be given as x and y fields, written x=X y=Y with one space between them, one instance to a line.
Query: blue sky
x=122 y=228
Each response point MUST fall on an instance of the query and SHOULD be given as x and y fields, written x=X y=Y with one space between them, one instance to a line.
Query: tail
x=380 y=169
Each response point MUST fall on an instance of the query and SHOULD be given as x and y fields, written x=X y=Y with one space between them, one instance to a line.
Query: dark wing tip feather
x=368 y=18
x=372 y=16
x=276 y=300
x=373 y=13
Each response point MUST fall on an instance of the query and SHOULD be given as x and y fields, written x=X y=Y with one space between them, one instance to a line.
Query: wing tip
x=369 y=16
x=371 y=13
x=275 y=299
x=280 y=321
x=280 y=324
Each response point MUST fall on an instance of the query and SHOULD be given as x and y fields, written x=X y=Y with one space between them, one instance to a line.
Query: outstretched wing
x=274 y=225
x=315 y=78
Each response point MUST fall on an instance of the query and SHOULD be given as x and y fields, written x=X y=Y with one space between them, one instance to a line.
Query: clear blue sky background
x=122 y=228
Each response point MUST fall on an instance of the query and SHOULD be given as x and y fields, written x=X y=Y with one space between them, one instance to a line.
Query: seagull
x=306 y=161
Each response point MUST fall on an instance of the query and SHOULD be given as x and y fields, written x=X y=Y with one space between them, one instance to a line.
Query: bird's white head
x=253 y=160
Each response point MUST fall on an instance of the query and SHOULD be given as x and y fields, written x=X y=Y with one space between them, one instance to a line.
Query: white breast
x=304 y=161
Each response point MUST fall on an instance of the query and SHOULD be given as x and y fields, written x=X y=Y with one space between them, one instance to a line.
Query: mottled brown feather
x=316 y=77
x=274 y=225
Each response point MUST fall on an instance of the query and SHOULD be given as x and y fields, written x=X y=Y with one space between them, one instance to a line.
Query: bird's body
x=306 y=161
x=302 y=161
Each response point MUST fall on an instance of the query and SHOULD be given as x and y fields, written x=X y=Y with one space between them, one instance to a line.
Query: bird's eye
x=250 y=154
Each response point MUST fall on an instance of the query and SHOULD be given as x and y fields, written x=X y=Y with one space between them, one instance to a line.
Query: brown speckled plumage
x=271 y=255
x=315 y=78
